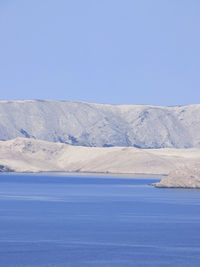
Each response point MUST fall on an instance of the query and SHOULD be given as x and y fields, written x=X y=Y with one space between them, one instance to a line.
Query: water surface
x=49 y=220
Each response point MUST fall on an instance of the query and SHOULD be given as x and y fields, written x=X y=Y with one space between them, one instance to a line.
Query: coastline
x=92 y=174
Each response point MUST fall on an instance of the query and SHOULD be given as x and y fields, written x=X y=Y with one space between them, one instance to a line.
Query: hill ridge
x=93 y=124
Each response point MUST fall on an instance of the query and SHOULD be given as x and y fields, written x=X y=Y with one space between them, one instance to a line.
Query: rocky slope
x=31 y=155
x=184 y=177
x=101 y=125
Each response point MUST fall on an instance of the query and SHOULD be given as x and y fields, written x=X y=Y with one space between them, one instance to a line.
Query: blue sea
x=57 y=221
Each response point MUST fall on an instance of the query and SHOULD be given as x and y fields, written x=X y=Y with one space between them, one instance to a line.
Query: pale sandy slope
x=30 y=155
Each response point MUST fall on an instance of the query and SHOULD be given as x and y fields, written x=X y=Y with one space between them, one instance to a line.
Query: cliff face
x=101 y=125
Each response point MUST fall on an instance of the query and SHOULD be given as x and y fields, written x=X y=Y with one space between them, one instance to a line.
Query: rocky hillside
x=101 y=125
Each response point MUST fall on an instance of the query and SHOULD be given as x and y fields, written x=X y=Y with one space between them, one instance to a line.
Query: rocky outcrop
x=5 y=169
x=184 y=177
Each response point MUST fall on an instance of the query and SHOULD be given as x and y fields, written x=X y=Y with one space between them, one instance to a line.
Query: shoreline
x=91 y=174
x=175 y=187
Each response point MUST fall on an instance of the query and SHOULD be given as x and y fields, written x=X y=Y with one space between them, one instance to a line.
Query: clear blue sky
x=107 y=51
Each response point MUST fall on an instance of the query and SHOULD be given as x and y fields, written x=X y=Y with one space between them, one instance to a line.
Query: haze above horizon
x=114 y=52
